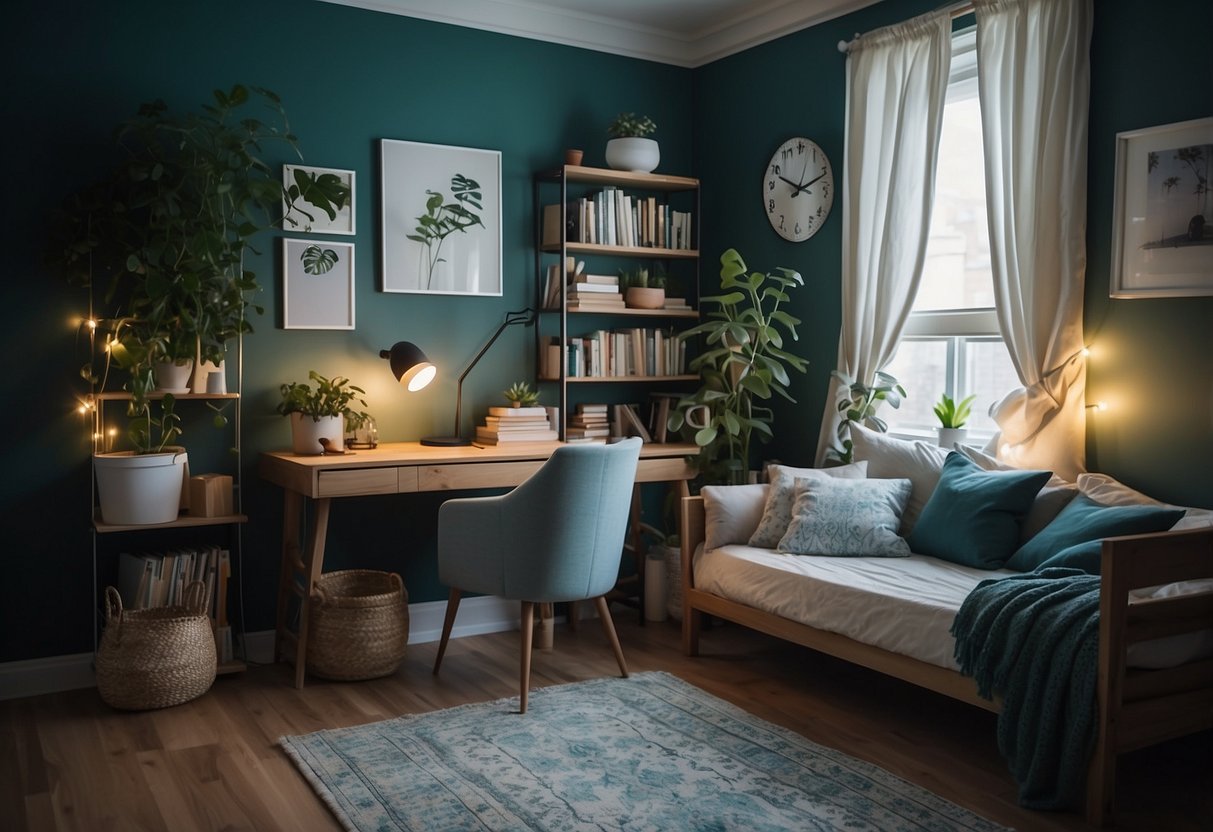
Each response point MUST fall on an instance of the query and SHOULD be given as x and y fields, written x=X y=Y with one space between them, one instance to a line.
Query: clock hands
x=797 y=187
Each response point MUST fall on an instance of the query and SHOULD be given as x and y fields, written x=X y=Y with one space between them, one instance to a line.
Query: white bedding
x=903 y=605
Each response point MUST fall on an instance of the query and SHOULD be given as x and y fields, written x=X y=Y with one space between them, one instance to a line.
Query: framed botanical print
x=308 y=218
x=441 y=219
x=317 y=284
x=1162 y=236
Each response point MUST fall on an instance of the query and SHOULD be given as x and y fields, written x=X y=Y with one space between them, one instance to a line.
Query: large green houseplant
x=325 y=411
x=161 y=239
x=744 y=364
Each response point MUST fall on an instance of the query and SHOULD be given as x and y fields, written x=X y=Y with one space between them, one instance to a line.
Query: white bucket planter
x=140 y=489
x=173 y=377
x=633 y=153
x=951 y=436
x=306 y=433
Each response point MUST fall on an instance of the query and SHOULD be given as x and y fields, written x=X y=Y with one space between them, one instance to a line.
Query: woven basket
x=359 y=625
x=158 y=657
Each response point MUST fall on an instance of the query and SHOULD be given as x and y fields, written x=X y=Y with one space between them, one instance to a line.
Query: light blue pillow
x=1084 y=520
x=849 y=518
x=973 y=517
x=777 y=513
x=1086 y=556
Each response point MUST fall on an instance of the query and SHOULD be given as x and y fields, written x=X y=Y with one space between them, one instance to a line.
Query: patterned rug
x=646 y=753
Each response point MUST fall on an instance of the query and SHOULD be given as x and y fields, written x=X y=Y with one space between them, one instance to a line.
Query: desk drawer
x=479 y=475
x=352 y=483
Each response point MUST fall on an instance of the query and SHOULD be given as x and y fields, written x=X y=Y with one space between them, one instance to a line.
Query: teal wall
x=1152 y=360
x=347 y=78
x=76 y=70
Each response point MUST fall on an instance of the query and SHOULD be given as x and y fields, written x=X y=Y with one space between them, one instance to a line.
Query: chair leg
x=528 y=629
x=608 y=626
x=452 y=607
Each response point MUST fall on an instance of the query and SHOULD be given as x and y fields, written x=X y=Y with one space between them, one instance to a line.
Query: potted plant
x=321 y=415
x=160 y=242
x=859 y=405
x=520 y=394
x=643 y=289
x=952 y=419
x=744 y=361
x=629 y=149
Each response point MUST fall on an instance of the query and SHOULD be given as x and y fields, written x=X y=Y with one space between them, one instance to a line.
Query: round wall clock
x=798 y=189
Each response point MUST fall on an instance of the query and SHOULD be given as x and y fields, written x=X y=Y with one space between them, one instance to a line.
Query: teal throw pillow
x=1086 y=556
x=973 y=516
x=848 y=518
x=1084 y=520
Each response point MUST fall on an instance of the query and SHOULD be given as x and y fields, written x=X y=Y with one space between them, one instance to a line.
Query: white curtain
x=1034 y=80
x=897 y=78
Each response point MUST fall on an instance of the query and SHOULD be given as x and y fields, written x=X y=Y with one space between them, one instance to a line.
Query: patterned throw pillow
x=847 y=518
x=778 y=511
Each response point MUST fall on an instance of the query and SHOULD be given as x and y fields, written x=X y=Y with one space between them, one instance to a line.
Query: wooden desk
x=404 y=468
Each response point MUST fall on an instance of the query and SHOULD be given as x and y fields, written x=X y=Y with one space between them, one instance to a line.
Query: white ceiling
x=685 y=33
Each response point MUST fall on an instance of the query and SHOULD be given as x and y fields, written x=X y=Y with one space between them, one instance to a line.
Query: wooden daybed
x=1137 y=708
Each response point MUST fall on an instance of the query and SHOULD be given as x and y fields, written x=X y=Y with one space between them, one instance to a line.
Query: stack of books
x=585 y=292
x=516 y=424
x=591 y=422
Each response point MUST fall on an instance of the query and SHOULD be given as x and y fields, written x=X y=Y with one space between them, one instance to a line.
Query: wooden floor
x=69 y=762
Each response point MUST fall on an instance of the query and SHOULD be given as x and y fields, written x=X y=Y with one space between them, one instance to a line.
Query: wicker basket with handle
x=157 y=657
x=359 y=625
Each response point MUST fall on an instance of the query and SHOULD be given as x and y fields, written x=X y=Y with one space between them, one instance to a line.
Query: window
x=952 y=342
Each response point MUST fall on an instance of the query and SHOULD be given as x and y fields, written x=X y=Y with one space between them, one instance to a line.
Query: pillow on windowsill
x=1084 y=520
x=1053 y=497
x=847 y=518
x=891 y=458
x=777 y=513
x=973 y=517
x=731 y=512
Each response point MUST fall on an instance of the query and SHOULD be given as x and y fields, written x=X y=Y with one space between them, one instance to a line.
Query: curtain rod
x=954 y=11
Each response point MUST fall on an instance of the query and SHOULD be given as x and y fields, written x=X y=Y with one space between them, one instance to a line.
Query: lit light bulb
x=1086 y=352
x=92 y=324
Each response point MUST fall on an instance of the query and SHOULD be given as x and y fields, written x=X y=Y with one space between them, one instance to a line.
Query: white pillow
x=891 y=458
x=1105 y=490
x=1050 y=500
x=777 y=513
x=847 y=518
x=731 y=513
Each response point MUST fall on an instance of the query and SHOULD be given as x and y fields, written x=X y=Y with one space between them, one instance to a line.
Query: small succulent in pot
x=520 y=394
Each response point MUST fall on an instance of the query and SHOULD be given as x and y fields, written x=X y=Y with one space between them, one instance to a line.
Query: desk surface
x=402 y=467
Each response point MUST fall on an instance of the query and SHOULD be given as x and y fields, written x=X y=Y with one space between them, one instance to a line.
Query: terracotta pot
x=644 y=298
x=572 y=157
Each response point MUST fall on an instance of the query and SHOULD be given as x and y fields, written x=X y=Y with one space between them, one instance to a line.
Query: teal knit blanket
x=1034 y=639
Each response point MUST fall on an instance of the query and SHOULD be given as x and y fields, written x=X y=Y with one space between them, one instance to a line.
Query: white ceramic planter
x=948 y=437
x=306 y=433
x=173 y=377
x=634 y=154
x=642 y=297
x=140 y=489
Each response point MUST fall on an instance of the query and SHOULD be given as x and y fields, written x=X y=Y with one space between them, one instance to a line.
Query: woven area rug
x=646 y=753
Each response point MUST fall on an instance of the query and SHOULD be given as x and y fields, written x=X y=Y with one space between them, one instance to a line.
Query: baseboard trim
x=477 y=616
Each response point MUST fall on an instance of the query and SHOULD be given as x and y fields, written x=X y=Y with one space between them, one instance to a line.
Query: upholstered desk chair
x=556 y=537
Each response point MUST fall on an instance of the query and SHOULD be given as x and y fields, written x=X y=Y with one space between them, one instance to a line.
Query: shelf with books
x=584 y=217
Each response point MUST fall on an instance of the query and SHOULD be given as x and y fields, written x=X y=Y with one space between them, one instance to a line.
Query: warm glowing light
x=1100 y=405
x=1086 y=352
x=92 y=324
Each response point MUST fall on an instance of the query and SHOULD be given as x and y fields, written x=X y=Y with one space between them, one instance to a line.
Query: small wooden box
x=211 y=495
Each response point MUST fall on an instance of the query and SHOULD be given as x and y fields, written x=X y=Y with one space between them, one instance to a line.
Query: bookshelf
x=231 y=523
x=660 y=239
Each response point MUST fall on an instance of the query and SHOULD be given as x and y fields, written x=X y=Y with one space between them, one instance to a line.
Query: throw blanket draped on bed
x=1034 y=639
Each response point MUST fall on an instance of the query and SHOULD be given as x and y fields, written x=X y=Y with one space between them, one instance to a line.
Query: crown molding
x=602 y=33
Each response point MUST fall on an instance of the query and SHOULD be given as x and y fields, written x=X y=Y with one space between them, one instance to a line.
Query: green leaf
x=317 y=260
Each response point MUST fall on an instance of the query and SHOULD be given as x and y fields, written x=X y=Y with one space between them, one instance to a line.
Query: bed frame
x=1137 y=708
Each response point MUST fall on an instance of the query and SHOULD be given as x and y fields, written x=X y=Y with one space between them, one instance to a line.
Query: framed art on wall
x=1162 y=233
x=317 y=284
x=306 y=217
x=441 y=219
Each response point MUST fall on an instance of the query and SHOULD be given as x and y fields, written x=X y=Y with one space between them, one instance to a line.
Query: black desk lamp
x=523 y=316
x=409 y=365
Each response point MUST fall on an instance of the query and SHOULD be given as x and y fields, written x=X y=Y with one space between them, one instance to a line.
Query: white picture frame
x=459 y=257
x=317 y=299
x=296 y=221
x=1162 y=233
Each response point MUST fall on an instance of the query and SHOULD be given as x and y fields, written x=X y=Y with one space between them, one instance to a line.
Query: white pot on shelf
x=140 y=489
x=633 y=153
x=307 y=432
x=173 y=376
x=948 y=437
